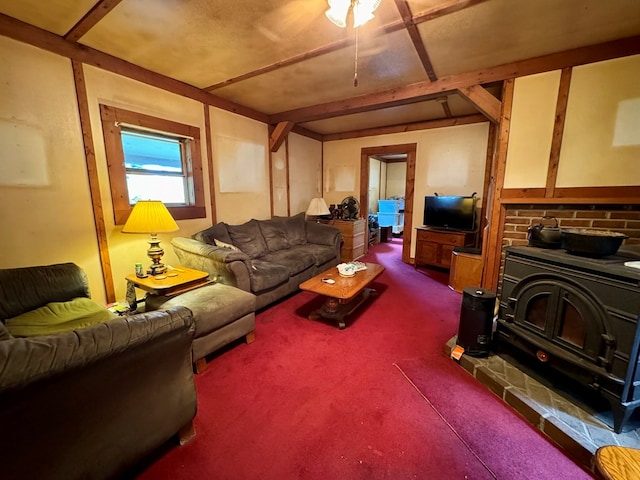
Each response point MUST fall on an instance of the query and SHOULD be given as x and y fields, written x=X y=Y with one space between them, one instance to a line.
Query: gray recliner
x=91 y=402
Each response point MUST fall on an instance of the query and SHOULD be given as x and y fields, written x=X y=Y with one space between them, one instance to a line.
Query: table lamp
x=317 y=208
x=151 y=216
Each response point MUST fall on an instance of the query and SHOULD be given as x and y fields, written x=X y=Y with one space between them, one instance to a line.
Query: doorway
x=408 y=150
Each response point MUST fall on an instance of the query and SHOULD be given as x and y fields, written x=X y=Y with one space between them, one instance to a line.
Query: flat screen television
x=450 y=212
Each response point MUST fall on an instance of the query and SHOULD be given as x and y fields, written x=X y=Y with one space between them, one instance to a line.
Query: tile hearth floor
x=578 y=429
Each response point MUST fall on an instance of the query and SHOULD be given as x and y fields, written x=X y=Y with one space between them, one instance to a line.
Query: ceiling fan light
x=370 y=5
x=361 y=14
x=336 y=18
x=337 y=13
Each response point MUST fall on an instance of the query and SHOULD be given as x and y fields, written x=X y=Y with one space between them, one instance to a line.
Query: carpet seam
x=451 y=427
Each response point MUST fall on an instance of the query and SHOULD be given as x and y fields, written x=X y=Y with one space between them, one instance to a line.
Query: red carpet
x=309 y=401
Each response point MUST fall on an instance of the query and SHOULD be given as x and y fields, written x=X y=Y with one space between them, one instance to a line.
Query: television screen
x=450 y=212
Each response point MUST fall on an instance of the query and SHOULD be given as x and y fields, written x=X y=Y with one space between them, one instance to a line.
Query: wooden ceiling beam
x=97 y=13
x=25 y=33
x=426 y=90
x=416 y=39
x=407 y=127
x=486 y=103
x=278 y=135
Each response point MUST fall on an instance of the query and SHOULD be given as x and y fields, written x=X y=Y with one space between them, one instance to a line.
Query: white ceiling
x=276 y=56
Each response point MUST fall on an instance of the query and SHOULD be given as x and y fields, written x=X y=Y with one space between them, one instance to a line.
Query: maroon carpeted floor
x=377 y=400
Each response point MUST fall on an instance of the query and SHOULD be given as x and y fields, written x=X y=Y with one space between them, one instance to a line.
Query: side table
x=174 y=282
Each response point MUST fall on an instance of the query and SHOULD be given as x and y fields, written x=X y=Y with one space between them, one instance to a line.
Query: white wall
x=45 y=206
x=305 y=171
x=601 y=138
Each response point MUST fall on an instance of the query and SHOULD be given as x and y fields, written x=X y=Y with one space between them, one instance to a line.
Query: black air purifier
x=476 y=321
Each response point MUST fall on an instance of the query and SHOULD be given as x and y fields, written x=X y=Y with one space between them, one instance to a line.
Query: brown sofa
x=269 y=258
x=91 y=402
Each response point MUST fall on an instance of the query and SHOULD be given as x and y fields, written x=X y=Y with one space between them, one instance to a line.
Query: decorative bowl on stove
x=591 y=243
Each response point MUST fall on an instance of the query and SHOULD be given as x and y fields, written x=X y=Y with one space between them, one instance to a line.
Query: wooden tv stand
x=434 y=247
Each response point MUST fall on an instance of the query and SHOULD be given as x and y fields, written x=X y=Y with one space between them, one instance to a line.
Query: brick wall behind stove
x=623 y=219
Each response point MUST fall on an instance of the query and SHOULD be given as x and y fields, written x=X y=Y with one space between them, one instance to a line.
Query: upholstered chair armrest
x=228 y=266
x=323 y=234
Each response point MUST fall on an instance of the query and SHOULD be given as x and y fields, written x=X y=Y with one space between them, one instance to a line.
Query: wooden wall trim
x=94 y=184
x=209 y=148
x=558 y=131
x=410 y=149
x=409 y=192
x=491 y=154
x=493 y=238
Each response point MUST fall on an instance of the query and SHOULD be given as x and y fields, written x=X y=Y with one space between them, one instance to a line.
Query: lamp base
x=157 y=269
x=155 y=253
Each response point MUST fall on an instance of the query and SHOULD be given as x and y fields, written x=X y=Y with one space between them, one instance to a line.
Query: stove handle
x=609 y=342
x=511 y=304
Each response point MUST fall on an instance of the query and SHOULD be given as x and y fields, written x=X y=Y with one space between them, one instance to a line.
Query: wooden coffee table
x=345 y=295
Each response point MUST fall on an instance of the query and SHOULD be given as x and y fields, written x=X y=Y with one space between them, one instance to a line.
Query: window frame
x=111 y=117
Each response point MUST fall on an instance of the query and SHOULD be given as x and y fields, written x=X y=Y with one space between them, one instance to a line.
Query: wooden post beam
x=279 y=134
x=486 y=103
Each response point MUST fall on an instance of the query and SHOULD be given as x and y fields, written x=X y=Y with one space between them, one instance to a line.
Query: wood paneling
x=493 y=237
x=94 y=183
x=558 y=130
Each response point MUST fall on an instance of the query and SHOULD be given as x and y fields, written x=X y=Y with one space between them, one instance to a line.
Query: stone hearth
x=575 y=427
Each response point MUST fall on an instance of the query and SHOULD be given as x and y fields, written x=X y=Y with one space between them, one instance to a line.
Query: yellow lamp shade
x=150 y=216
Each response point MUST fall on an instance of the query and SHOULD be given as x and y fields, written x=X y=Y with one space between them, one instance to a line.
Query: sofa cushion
x=294 y=259
x=264 y=275
x=248 y=238
x=320 y=254
x=295 y=228
x=274 y=234
x=218 y=231
x=57 y=317
x=213 y=306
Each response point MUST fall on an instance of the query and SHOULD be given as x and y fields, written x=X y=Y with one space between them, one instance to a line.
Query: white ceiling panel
x=384 y=62
x=502 y=31
x=57 y=16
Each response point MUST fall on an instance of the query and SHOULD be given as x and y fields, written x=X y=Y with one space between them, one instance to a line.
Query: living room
x=56 y=197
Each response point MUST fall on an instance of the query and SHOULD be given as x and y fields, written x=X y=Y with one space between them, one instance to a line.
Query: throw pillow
x=221 y=244
x=248 y=238
x=218 y=231
x=274 y=234
x=296 y=229
x=57 y=317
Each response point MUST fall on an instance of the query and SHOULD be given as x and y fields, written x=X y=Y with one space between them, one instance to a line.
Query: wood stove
x=577 y=316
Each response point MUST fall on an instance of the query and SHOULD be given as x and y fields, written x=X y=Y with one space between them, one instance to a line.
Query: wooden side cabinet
x=355 y=238
x=435 y=247
x=466 y=271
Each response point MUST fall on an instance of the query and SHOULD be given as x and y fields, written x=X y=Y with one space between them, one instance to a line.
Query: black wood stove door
x=561 y=312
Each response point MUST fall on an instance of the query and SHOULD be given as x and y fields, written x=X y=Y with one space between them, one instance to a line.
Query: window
x=152 y=159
